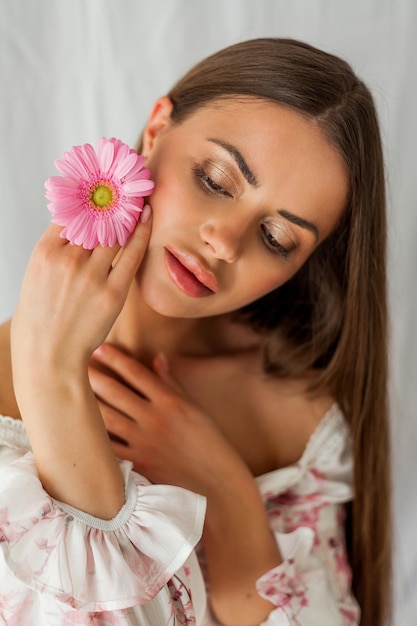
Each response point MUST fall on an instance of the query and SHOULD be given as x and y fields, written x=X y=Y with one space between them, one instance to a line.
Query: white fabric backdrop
x=74 y=70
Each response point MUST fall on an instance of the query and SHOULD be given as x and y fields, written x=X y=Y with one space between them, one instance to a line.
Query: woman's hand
x=70 y=297
x=69 y=300
x=171 y=440
x=168 y=437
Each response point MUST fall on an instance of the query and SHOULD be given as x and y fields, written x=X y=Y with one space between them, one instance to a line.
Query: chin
x=162 y=301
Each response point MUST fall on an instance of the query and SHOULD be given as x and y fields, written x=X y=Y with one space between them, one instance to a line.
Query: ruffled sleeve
x=304 y=502
x=93 y=564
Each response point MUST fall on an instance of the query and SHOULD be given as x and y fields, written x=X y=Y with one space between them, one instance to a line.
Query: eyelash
x=210 y=186
x=273 y=244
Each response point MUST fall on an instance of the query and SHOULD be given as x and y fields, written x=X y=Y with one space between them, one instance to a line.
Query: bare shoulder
x=7 y=399
x=290 y=412
x=268 y=420
x=5 y=358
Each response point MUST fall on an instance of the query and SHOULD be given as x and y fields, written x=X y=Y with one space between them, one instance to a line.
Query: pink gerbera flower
x=99 y=197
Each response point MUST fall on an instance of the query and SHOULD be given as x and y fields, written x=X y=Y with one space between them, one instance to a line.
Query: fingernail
x=163 y=361
x=98 y=352
x=145 y=214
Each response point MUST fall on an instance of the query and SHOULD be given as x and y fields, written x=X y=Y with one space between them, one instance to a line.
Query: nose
x=224 y=239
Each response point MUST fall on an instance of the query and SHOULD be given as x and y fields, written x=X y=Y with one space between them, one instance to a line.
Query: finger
x=132 y=253
x=52 y=257
x=116 y=394
x=135 y=374
x=52 y=235
x=50 y=244
x=121 y=450
x=103 y=259
x=162 y=368
x=54 y=251
x=117 y=423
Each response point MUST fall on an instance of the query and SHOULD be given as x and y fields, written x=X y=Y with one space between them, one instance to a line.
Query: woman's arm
x=69 y=300
x=170 y=440
x=239 y=548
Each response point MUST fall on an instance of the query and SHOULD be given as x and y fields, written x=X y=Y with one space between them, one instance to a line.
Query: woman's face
x=245 y=190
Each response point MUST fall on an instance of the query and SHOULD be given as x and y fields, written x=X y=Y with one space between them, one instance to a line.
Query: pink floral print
x=46 y=547
x=61 y=567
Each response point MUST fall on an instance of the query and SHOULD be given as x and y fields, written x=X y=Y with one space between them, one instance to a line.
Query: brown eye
x=208 y=184
x=273 y=244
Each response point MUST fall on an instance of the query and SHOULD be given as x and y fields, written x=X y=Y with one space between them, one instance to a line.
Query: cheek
x=257 y=279
x=170 y=202
x=262 y=273
x=166 y=213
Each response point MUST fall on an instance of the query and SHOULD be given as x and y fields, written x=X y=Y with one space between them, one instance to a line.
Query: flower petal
x=121 y=151
x=67 y=206
x=111 y=234
x=132 y=206
x=126 y=165
x=78 y=227
x=128 y=221
x=138 y=187
x=139 y=171
x=90 y=157
x=78 y=152
x=70 y=167
x=57 y=194
x=83 y=170
x=61 y=182
x=105 y=155
x=102 y=231
x=122 y=233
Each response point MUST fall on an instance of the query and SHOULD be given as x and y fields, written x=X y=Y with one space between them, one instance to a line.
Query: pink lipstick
x=189 y=275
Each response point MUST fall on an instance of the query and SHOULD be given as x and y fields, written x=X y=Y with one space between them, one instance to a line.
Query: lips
x=189 y=274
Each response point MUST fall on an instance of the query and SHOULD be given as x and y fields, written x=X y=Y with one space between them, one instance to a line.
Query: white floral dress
x=305 y=507
x=59 y=566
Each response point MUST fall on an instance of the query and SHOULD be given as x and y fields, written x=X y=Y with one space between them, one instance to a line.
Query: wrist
x=42 y=381
x=39 y=362
x=230 y=501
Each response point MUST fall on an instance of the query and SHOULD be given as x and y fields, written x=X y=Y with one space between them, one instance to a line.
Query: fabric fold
x=56 y=549
x=299 y=587
x=324 y=471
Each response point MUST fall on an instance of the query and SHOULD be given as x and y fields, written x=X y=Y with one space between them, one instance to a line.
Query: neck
x=143 y=333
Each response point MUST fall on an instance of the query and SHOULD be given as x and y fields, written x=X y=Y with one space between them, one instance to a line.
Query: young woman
x=235 y=349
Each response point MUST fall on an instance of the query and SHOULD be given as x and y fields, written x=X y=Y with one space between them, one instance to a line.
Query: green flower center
x=102 y=197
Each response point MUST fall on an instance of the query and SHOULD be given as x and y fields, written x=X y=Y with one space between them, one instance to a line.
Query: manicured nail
x=163 y=361
x=98 y=352
x=145 y=214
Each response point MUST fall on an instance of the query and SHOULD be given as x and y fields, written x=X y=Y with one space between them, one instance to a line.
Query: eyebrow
x=299 y=221
x=251 y=178
x=240 y=161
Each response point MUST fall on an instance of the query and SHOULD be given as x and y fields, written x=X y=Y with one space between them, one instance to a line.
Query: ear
x=158 y=120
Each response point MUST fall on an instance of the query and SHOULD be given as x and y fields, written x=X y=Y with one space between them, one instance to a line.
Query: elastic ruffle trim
x=93 y=564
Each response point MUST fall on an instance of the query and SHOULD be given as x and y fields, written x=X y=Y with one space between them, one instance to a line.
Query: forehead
x=261 y=123
x=287 y=151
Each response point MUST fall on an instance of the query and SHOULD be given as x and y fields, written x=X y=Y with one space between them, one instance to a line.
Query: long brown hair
x=331 y=317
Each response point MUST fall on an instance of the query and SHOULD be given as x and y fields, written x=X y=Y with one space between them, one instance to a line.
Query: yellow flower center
x=102 y=197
